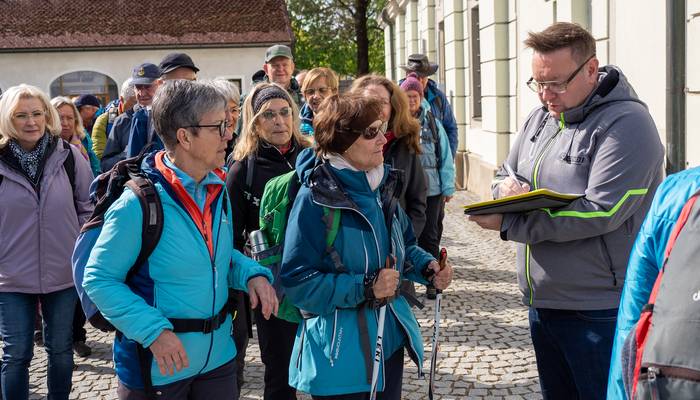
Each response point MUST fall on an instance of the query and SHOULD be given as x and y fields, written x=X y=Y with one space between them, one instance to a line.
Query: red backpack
x=661 y=355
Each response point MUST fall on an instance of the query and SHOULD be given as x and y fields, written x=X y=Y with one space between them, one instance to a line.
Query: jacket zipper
x=535 y=171
x=335 y=323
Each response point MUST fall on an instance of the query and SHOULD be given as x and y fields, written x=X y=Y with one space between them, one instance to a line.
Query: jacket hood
x=306 y=160
x=612 y=87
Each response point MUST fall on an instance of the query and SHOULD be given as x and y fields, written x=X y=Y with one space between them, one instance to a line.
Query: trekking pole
x=436 y=328
x=378 y=346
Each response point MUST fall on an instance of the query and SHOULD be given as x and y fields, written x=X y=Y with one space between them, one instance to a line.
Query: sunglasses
x=374 y=130
x=270 y=115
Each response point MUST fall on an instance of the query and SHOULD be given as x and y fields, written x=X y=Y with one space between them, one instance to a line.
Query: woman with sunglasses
x=318 y=84
x=268 y=147
x=402 y=150
x=339 y=287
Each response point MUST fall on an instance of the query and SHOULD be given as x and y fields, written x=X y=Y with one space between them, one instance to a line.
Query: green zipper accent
x=534 y=183
x=597 y=214
x=562 y=124
x=527 y=271
x=539 y=160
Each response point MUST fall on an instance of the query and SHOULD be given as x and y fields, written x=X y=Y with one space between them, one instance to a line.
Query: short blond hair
x=8 y=104
x=60 y=101
x=250 y=137
x=321 y=72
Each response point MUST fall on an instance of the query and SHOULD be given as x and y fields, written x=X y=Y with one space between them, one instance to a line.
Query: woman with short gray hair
x=191 y=268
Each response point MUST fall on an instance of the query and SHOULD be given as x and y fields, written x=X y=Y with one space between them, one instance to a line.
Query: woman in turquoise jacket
x=194 y=263
x=646 y=260
x=437 y=162
x=340 y=287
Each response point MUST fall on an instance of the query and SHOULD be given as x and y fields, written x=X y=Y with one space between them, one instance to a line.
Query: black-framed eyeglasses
x=373 y=131
x=222 y=127
x=556 y=86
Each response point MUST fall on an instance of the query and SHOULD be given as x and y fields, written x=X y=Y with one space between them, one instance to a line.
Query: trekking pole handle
x=432 y=291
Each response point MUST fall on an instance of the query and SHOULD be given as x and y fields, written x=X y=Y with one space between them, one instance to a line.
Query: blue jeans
x=17 y=313
x=573 y=351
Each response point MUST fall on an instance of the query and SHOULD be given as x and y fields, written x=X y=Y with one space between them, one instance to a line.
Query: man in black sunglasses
x=591 y=136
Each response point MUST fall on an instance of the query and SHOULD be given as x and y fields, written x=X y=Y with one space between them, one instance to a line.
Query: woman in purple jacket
x=43 y=202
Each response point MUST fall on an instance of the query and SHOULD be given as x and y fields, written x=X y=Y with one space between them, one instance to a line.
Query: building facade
x=85 y=47
x=484 y=65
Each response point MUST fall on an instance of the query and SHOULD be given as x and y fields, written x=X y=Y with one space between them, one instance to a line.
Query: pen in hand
x=514 y=187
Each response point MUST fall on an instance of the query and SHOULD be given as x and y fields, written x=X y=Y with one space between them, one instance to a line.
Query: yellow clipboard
x=534 y=200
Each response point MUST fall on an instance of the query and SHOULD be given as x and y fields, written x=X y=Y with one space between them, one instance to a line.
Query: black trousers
x=79 y=333
x=242 y=331
x=219 y=383
x=429 y=239
x=276 y=339
x=393 y=373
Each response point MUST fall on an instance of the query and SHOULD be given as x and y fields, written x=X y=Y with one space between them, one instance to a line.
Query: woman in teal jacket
x=646 y=260
x=339 y=287
x=194 y=263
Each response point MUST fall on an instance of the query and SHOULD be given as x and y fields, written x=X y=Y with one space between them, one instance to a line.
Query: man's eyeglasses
x=374 y=130
x=270 y=115
x=556 y=86
x=24 y=117
x=322 y=91
x=222 y=127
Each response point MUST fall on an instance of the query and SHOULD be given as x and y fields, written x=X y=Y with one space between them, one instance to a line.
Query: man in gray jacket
x=591 y=136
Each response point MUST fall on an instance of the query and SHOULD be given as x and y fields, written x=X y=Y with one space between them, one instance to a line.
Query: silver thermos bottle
x=258 y=244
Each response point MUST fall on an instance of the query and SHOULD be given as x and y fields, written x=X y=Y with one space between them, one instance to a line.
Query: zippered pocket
x=664 y=381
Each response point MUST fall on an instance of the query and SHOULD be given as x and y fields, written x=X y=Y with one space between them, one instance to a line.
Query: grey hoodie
x=608 y=149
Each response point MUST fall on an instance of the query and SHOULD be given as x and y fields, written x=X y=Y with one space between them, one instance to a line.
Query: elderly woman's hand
x=386 y=283
x=260 y=290
x=443 y=277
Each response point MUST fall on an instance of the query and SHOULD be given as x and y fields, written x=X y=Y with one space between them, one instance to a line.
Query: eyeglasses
x=374 y=130
x=24 y=117
x=556 y=86
x=221 y=126
x=322 y=91
x=270 y=115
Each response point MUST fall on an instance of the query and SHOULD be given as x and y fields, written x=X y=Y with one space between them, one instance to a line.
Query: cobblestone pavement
x=485 y=353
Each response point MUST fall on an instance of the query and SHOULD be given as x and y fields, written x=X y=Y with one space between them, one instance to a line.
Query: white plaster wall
x=40 y=69
x=639 y=34
x=692 y=146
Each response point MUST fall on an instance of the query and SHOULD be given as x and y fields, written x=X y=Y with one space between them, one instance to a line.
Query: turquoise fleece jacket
x=179 y=280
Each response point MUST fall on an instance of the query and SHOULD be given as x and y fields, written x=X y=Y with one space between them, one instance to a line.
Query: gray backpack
x=661 y=355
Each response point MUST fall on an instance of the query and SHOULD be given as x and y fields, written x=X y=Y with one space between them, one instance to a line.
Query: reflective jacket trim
x=597 y=214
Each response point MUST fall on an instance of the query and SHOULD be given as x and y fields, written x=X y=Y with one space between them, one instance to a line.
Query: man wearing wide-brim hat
x=441 y=109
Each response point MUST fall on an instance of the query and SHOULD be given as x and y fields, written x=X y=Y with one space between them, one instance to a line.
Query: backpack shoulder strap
x=152 y=224
x=331 y=217
x=69 y=164
x=436 y=137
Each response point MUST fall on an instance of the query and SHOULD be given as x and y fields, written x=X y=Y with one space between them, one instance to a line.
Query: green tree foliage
x=340 y=34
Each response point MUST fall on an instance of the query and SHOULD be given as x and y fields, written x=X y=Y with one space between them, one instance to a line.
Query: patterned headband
x=266 y=94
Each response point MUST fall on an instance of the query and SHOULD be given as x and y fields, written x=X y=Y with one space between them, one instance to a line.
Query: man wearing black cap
x=173 y=66
x=441 y=109
x=145 y=79
x=87 y=106
x=178 y=66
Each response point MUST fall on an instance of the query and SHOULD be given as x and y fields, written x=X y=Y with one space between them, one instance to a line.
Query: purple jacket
x=38 y=231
